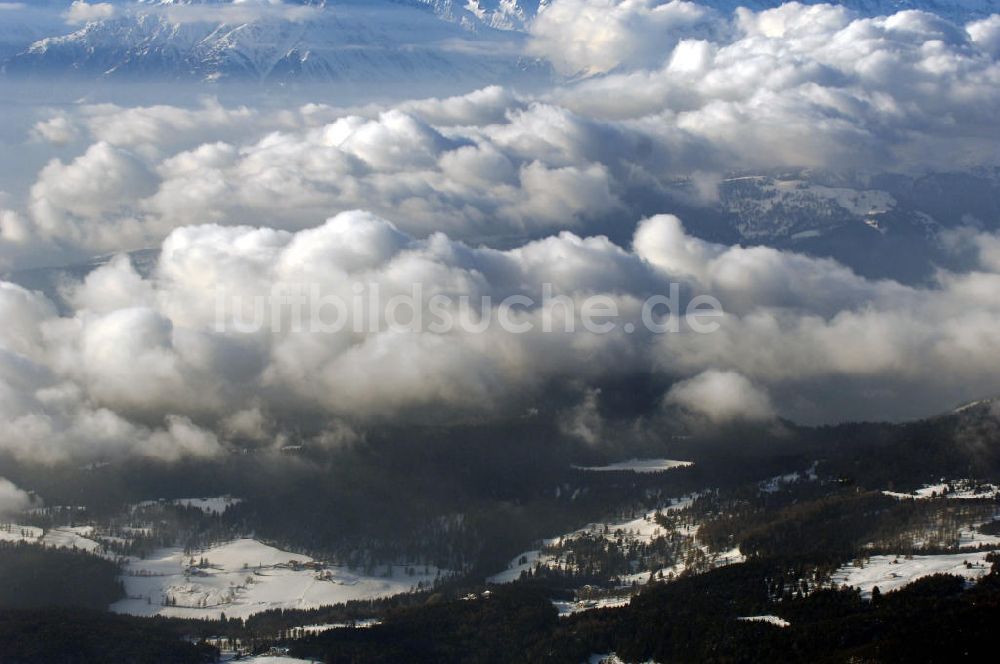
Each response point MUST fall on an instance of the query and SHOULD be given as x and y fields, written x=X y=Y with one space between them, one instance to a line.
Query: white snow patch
x=643 y=529
x=973 y=538
x=960 y=489
x=714 y=560
x=212 y=505
x=517 y=567
x=274 y=659
x=246 y=576
x=357 y=624
x=66 y=537
x=610 y=658
x=569 y=608
x=892 y=572
x=774 y=620
x=775 y=484
x=639 y=466
x=71 y=537
x=12 y=532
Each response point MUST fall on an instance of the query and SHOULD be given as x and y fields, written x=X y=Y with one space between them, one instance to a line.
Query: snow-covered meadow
x=245 y=576
x=894 y=572
x=68 y=537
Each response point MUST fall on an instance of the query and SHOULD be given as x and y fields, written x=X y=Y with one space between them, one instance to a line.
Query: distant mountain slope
x=324 y=40
x=342 y=41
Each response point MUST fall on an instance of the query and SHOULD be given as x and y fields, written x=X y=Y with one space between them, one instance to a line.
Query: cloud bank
x=497 y=193
x=689 y=96
x=81 y=12
x=140 y=364
x=721 y=396
x=13 y=500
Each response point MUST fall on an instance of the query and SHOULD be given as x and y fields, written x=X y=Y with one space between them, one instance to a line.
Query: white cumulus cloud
x=85 y=12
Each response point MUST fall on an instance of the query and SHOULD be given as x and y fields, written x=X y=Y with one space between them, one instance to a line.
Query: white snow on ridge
x=775 y=484
x=894 y=572
x=610 y=658
x=516 y=567
x=245 y=576
x=639 y=466
x=216 y=505
x=962 y=489
x=772 y=619
x=713 y=560
x=364 y=623
x=643 y=529
x=211 y=505
x=569 y=608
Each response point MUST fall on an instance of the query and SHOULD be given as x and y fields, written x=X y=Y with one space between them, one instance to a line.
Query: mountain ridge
x=316 y=40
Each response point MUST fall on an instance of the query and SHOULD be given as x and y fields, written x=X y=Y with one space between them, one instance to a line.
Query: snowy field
x=12 y=532
x=245 y=576
x=238 y=578
x=71 y=537
x=972 y=538
x=893 y=572
x=639 y=466
x=63 y=537
x=953 y=489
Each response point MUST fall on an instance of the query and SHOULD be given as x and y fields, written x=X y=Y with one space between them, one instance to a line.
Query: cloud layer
x=497 y=193
x=143 y=365
x=689 y=96
x=12 y=499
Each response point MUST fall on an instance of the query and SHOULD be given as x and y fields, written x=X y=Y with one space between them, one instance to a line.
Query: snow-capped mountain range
x=350 y=40
x=326 y=40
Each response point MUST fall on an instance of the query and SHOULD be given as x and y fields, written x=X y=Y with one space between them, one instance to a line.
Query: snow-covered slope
x=890 y=573
x=325 y=40
x=23 y=24
x=348 y=40
x=244 y=577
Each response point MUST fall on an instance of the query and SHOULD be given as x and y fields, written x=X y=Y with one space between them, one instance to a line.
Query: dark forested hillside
x=79 y=636
x=695 y=619
x=33 y=577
